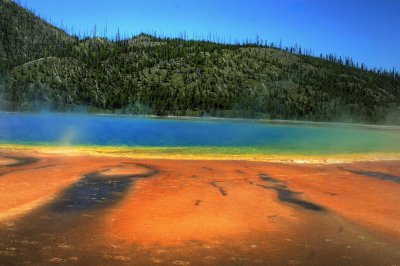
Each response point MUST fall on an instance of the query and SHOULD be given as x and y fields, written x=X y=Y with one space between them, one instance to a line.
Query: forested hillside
x=43 y=67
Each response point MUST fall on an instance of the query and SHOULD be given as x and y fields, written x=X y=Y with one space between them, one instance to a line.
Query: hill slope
x=24 y=36
x=146 y=74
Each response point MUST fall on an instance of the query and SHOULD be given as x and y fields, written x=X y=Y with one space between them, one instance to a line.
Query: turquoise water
x=102 y=130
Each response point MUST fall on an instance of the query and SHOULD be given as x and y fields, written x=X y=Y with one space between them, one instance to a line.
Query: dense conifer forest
x=44 y=68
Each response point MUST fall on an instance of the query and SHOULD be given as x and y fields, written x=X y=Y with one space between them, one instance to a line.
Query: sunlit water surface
x=235 y=135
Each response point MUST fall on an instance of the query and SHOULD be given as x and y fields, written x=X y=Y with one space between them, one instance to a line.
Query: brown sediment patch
x=183 y=215
x=364 y=200
x=18 y=161
x=162 y=210
x=178 y=217
x=220 y=188
x=24 y=188
x=125 y=169
x=12 y=212
x=9 y=164
x=101 y=188
x=170 y=210
x=287 y=195
x=4 y=161
x=378 y=175
x=389 y=167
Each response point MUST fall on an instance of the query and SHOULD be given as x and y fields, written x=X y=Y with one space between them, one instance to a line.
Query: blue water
x=67 y=129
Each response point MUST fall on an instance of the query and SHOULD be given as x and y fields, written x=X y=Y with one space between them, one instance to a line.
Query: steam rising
x=213 y=135
x=69 y=137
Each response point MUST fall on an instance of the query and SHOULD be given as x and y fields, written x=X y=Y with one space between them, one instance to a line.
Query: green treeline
x=41 y=66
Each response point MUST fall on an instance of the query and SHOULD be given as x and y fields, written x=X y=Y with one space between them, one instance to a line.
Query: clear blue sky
x=366 y=30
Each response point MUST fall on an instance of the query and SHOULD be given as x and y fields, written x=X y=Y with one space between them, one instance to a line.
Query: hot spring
x=123 y=190
x=195 y=135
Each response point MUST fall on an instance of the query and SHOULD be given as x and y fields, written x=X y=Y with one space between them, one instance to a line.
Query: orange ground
x=203 y=210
